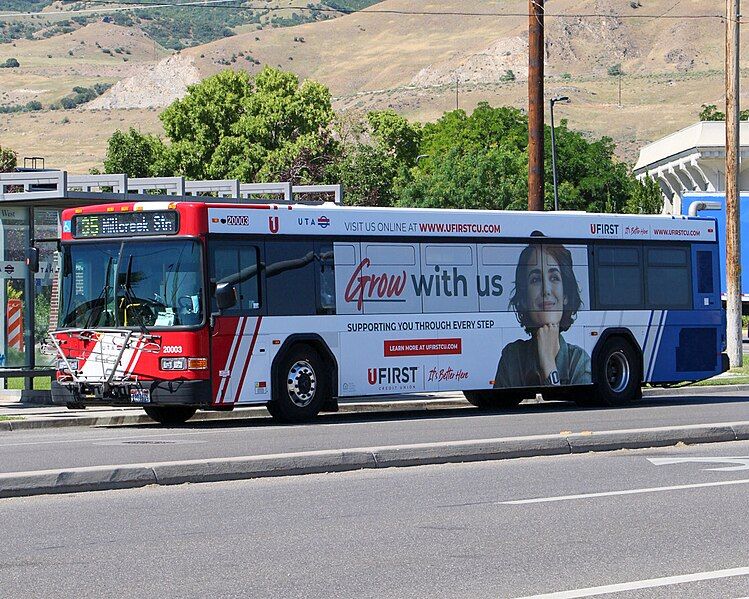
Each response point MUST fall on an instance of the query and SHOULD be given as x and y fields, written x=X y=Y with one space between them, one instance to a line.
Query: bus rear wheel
x=170 y=414
x=493 y=400
x=618 y=373
x=301 y=387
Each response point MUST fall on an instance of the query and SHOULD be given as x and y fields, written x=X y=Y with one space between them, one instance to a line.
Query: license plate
x=140 y=395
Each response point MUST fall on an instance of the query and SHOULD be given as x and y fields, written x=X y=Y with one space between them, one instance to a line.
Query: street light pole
x=553 y=101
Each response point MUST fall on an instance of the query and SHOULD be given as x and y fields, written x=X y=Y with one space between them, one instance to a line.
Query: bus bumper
x=161 y=393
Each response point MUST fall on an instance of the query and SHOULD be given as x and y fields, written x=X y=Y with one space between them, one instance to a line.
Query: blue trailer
x=720 y=215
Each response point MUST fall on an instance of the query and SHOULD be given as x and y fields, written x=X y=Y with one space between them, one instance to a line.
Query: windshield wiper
x=130 y=296
x=104 y=293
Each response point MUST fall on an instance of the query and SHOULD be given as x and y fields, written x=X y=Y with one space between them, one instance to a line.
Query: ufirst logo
x=605 y=229
x=392 y=375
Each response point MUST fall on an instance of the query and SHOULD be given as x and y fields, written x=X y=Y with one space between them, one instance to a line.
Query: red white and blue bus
x=200 y=305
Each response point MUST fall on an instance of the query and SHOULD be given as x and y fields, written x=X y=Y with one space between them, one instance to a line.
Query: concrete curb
x=353 y=408
x=238 y=414
x=694 y=390
x=102 y=478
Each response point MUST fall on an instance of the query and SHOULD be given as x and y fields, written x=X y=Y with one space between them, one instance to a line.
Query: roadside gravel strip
x=100 y=478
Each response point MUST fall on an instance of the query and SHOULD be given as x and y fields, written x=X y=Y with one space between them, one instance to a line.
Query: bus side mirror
x=226 y=296
x=32 y=259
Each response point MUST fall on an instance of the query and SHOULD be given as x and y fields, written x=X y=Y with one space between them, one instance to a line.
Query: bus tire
x=301 y=387
x=170 y=414
x=493 y=400
x=618 y=373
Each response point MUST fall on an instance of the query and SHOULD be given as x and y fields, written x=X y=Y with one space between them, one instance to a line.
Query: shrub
x=615 y=70
x=10 y=63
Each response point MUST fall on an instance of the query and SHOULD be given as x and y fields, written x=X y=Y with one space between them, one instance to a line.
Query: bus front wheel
x=493 y=400
x=170 y=414
x=618 y=373
x=301 y=387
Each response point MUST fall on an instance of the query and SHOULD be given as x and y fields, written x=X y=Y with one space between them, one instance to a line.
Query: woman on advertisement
x=546 y=299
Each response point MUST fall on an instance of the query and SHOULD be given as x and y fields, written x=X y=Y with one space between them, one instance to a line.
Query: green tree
x=136 y=155
x=710 y=112
x=395 y=135
x=490 y=180
x=645 y=198
x=376 y=153
x=481 y=161
x=597 y=181
x=615 y=70
x=8 y=160
x=508 y=75
x=368 y=174
x=266 y=128
x=198 y=123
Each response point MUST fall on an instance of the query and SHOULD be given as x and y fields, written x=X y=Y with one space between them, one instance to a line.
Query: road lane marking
x=738 y=463
x=623 y=492
x=642 y=584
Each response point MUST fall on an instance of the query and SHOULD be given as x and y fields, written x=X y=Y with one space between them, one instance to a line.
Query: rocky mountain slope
x=415 y=63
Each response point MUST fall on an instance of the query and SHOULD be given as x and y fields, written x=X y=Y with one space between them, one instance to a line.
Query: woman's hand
x=547 y=342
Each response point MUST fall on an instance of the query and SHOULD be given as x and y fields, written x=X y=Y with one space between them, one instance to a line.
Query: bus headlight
x=173 y=363
x=63 y=365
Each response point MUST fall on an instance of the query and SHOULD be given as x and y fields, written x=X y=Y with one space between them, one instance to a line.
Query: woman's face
x=546 y=298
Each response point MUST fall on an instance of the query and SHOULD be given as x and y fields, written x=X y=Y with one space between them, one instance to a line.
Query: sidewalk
x=23 y=415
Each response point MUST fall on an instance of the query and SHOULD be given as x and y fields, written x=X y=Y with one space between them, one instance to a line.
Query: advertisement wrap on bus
x=194 y=305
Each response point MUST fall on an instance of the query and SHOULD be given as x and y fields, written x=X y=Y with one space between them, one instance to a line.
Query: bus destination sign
x=125 y=224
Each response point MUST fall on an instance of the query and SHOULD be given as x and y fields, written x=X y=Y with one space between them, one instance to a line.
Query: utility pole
x=535 y=104
x=733 y=241
x=620 y=89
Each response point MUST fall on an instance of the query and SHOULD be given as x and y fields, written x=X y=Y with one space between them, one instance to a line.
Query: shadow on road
x=392 y=415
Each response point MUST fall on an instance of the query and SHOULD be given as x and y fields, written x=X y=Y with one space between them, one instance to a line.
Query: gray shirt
x=519 y=366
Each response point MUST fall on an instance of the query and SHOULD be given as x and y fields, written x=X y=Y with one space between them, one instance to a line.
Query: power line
x=225 y=4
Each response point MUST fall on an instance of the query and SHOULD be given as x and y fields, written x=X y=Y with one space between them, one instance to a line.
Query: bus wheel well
x=616 y=367
x=317 y=343
x=622 y=333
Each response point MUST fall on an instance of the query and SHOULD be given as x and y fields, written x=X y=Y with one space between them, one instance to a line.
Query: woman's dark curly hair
x=569 y=283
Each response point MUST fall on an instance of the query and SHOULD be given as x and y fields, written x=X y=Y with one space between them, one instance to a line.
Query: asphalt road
x=75 y=447
x=507 y=529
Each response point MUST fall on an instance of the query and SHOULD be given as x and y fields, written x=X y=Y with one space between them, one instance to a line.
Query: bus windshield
x=135 y=284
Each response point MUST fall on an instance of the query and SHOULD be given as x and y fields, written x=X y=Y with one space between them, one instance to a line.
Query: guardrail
x=55 y=185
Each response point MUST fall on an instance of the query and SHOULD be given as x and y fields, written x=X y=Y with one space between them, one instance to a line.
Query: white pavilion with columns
x=692 y=159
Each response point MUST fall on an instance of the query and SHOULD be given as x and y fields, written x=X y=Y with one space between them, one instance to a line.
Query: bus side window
x=705 y=272
x=236 y=263
x=396 y=270
x=618 y=277
x=325 y=277
x=290 y=278
x=669 y=285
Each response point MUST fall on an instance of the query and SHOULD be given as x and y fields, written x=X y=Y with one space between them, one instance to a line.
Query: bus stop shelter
x=31 y=201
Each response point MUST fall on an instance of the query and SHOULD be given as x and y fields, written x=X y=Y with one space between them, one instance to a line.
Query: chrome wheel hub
x=617 y=372
x=301 y=383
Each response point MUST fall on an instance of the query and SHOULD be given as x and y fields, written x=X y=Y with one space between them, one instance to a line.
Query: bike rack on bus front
x=151 y=344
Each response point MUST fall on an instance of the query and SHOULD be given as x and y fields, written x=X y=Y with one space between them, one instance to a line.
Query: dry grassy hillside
x=51 y=67
x=375 y=59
